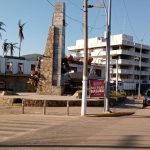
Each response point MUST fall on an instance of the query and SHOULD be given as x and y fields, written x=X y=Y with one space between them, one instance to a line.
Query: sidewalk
x=57 y=131
x=38 y=132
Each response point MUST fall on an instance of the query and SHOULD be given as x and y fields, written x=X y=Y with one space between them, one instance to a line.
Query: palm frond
x=16 y=47
x=21 y=36
x=5 y=47
x=2 y=29
x=19 y=23
x=23 y=24
x=14 y=43
x=2 y=24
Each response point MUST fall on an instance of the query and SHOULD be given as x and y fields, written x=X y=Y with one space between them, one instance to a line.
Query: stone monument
x=51 y=79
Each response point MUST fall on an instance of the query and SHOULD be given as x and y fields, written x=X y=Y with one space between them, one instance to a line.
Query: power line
x=76 y=20
x=95 y=22
x=130 y=20
x=74 y=4
x=50 y=3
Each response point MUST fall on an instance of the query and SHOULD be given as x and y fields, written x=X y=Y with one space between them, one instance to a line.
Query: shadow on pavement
x=129 y=103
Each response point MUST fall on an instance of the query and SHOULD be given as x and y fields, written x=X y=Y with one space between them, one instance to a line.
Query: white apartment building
x=124 y=59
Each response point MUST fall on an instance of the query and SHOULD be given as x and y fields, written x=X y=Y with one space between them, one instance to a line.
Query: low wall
x=63 y=103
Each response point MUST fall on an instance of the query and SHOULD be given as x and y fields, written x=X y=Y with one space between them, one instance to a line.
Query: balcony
x=127 y=71
x=145 y=82
x=124 y=71
x=122 y=51
x=128 y=52
x=125 y=80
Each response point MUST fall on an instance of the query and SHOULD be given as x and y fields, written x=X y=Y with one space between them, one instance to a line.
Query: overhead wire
x=74 y=4
x=50 y=3
x=131 y=26
x=75 y=20
x=94 y=24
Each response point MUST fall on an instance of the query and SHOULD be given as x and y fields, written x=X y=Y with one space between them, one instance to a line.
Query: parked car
x=147 y=97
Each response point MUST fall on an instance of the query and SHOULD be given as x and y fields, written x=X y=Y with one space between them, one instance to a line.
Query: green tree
x=21 y=35
x=5 y=47
x=12 y=46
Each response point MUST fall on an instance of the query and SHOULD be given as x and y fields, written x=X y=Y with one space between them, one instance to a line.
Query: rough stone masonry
x=50 y=82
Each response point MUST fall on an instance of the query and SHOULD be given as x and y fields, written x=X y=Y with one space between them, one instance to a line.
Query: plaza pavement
x=57 y=131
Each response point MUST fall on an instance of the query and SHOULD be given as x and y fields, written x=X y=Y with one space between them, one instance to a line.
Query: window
x=136 y=67
x=32 y=67
x=9 y=67
x=20 y=68
x=73 y=69
x=98 y=72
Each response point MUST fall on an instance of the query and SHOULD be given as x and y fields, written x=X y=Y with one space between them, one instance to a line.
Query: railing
x=45 y=106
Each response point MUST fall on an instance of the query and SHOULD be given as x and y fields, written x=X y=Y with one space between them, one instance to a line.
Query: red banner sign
x=97 y=88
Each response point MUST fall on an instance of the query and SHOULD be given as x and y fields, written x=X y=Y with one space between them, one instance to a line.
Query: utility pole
x=85 y=66
x=107 y=81
x=5 y=57
x=116 y=76
x=139 y=87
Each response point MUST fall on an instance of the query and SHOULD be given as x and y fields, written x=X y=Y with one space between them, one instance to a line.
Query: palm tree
x=12 y=47
x=5 y=47
x=21 y=36
x=1 y=28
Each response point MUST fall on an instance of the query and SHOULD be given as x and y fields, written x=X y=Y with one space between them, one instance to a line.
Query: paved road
x=38 y=132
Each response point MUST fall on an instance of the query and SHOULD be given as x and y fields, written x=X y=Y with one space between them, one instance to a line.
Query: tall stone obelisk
x=50 y=82
x=59 y=42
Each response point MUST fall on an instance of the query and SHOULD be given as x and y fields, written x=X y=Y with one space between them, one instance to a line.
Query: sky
x=128 y=16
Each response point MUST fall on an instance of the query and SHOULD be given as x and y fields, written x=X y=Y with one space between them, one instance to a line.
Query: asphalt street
x=58 y=131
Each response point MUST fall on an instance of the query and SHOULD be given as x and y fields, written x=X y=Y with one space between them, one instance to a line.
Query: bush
x=118 y=94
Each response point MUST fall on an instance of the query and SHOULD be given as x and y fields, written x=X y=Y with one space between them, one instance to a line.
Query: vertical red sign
x=97 y=88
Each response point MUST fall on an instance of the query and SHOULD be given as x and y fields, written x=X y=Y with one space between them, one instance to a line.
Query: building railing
x=119 y=52
x=44 y=106
x=127 y=71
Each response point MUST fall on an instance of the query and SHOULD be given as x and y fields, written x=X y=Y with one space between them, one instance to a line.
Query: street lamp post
x=85 y=66
x=107 y=81
x=108 y=31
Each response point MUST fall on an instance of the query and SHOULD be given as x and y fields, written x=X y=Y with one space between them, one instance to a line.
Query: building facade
x=130 y=61
x=15 y=72
x=73 y=78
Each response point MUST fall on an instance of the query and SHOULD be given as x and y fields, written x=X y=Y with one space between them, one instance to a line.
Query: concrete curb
x=111 y=114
